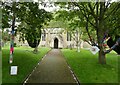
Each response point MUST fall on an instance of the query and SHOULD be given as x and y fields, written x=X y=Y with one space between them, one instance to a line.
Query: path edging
x=73 y=74
x=26 y=79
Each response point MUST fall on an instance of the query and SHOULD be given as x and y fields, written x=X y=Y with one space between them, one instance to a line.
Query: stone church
x=55 y=38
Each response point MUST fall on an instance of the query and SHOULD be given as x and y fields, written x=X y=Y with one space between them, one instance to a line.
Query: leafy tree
x=98 y=12
x=95 y=14
x=33 y=19
x=75 y=24
x=30 y=18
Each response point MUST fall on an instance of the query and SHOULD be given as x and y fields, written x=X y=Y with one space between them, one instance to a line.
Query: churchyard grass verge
x=87 y=69
x=24 y=58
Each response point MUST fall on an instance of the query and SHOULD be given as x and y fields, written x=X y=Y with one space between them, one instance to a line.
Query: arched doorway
x=55 y=43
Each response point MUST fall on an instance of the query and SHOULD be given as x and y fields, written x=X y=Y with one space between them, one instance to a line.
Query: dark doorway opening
x=56 y=43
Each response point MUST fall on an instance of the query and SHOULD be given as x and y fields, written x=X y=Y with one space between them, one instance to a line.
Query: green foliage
x=112 y=22
x=79 y=12
x=74 y=19
x=56 y=24
x=33 y=19
x=5 y=16
x=5 y=36
x=99 y=17
x=30 y=17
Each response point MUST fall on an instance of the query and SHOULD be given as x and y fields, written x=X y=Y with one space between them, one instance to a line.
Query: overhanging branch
x=84 y=14
x=113 y=11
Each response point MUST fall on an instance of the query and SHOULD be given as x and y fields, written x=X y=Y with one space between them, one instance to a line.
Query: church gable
x=51 y=35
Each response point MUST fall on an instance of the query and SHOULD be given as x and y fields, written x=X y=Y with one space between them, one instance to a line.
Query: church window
x=68 y=36
x=43 y=36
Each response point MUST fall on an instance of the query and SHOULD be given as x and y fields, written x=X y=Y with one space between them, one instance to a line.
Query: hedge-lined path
x=52 y=69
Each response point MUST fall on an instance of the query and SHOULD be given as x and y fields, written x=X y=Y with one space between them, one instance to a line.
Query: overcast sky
x=53 y=7
x=56 y=8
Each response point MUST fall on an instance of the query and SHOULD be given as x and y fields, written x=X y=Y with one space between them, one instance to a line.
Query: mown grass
x=87 y=69
x=24 y=58
x=0 y=67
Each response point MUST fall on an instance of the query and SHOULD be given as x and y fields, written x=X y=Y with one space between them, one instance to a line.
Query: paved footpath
x=52 y=69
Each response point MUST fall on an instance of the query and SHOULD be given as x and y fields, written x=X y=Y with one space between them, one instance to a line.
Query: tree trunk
x=100 y=32
x=12 y=34
x=35 y=50
x=78 y=39
x=102 y=58
x=78 y=49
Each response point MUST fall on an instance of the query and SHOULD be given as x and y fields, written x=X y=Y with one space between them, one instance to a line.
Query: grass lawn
x=0 y=68
x=24 y=58
x=85 y=66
